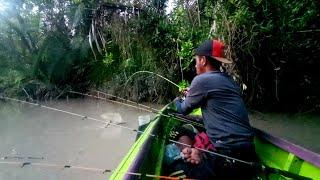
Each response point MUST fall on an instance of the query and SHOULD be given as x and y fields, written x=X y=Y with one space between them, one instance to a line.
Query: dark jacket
x=224 y=114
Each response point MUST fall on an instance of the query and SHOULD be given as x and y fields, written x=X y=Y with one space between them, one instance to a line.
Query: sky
x=170 y=6
x=3 y=5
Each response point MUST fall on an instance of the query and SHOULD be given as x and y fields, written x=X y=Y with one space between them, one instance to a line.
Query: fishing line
x=71 y=113
x=151 y=110
x=83 y=168
x=149 y=72
x=213 y=153
x=126 y=100
x=257 y=165
x=22 y=157
x=263 y=167
x=124 y=127
x=110 y=100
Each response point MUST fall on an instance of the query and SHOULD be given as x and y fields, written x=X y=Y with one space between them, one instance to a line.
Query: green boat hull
x=146 y=154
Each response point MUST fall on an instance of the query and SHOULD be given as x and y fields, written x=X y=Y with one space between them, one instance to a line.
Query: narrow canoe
x=283 y=159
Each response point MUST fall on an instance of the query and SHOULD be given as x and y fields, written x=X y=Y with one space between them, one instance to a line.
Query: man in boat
x=224 y=114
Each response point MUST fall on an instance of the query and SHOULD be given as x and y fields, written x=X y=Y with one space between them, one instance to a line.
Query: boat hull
x=146 y=154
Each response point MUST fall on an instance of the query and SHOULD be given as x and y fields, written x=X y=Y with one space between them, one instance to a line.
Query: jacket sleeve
x=194 y=98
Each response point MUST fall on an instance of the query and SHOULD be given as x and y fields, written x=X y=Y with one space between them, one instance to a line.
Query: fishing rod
x=146 y=108
x=83 y=168
x=151 y=110
x=149 y=72
x=253 y=164
x=110 y=100
x=156 y=111
x=122 y=99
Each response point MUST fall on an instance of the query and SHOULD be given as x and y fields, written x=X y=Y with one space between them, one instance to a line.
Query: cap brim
x=223 y=60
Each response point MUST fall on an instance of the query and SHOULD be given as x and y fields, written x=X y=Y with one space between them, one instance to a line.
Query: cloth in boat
x=201 y=140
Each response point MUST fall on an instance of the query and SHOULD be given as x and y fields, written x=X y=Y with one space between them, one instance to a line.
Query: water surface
x=59 y=138
x=303 y=129
x=31 y=131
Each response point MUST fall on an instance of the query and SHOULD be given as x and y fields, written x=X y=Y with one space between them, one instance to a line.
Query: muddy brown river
x=47 y=136
x=51 y=137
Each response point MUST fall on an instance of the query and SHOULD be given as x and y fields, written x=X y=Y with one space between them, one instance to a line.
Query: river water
x=57 y=138
x=300 y=129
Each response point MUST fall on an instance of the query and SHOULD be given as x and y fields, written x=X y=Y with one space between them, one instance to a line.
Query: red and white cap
x=214 y=49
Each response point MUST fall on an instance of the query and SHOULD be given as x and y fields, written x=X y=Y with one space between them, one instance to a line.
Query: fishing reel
x=183 y=93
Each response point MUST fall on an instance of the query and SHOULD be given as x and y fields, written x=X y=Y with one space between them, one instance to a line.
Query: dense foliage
x=49 y=46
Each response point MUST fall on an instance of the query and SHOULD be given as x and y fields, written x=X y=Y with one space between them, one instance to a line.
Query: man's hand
x=185 y=91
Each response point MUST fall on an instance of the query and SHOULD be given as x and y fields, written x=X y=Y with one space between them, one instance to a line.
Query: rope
x=125 y=127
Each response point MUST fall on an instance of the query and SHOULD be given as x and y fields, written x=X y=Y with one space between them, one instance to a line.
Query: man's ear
x=204 y=60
